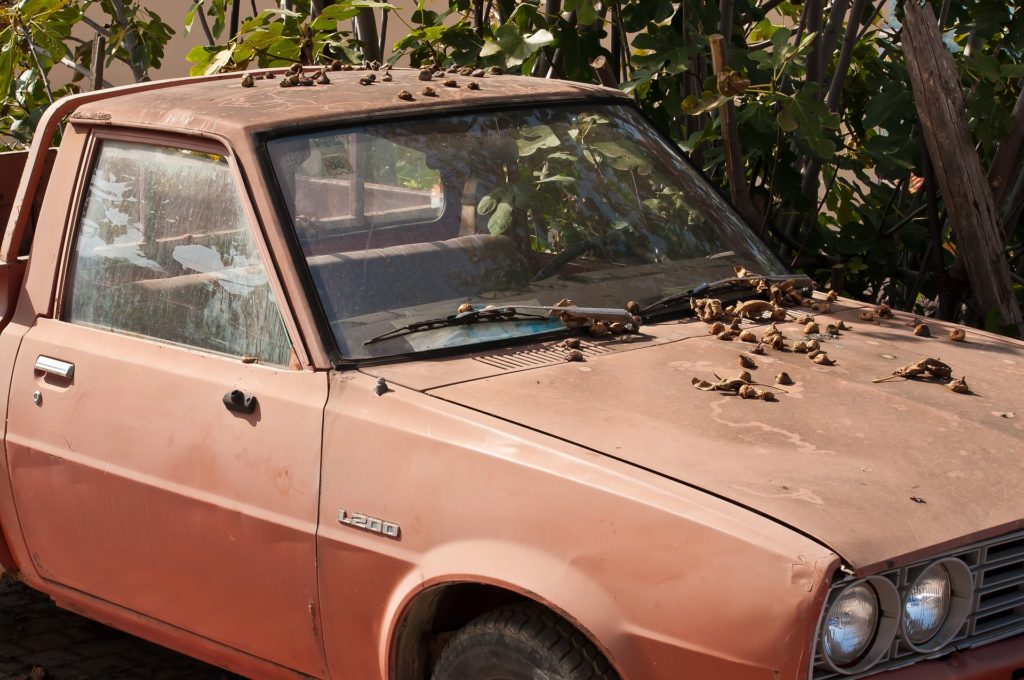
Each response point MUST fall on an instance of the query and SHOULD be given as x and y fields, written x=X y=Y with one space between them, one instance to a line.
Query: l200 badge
x=372 y=524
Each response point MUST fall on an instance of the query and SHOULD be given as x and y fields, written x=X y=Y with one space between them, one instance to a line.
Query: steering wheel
x=595 y=244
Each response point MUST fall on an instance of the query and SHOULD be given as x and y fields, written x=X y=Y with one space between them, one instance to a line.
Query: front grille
x=997 y=567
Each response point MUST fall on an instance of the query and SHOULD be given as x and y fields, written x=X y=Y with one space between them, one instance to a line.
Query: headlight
x=859 y=625
x=850 y=624
x=927 y=604
x=936 y=604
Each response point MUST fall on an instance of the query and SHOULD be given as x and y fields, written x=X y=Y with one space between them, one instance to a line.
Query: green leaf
x=786 y=120
x=708 y=101
x=538 y=137
x=500 y=220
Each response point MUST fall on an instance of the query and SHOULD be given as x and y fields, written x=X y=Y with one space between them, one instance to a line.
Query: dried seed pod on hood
x=752 y=309
x=247 y=80
x=748 y=392
x=473 y=85
x=735 y=326
x=766 y=395
x=748 y=336
x=405 y=95
x=716 y=328
x=831 y=329
x=840 y=326
x=805 y=319
x=465 y=307
x=822 y=359
x=724 y=335
x=617 y=328
x=747 y=362
x=832 y=296
x=429 y=92
x=599 y=329
x=813 y=345
x=957 y=335
x=633 y=307
x=387 y=77
x=783 y=379
x=574 y=355
x=745 y=376
x=820 y=307
x=777 y=343
x=884 y=311
x=866 y=316
x=811 y=329
x=960 y=386
x=800 y=347
x=425 y=74
x=571 y=343
x=813 y=353
x=778 y=313
x=922 y=331
x=759 y=350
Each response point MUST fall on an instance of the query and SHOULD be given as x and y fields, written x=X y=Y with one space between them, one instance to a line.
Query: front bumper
x=996 y=661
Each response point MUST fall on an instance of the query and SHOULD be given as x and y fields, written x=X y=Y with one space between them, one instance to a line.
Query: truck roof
x=222 y=106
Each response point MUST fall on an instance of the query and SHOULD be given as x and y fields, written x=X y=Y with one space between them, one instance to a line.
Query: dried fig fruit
x=777 y=343
x=960 y=386
x=832 y=296
x=822 y=359
x=748 y=392
x=387 y=77
x=633 y=307
x=247 y=80
x=922 y=331
x=574 y=355
x=884 y=311
x=473 y=85
x=429 y=92
x=571 y=343
x=840 y=326
x=957 y=335
x=748 y=336
x=805 y=319
x=477 y=73
x=811 y=329
x=766 y=395
x=425 y=74
x=405 y=95
x=866 y=316
x=800 y=347
x=745 y=376
x=716 y=328
x=465 y=307
x=831 y=329
x=759 y=350
x=783 y=379
x=778 y=314
x=813 y=353
x=747 y=362
x=617 y=328
x=724 y=335
x=450 y=82
x=599 y=329
x=813 y=345
x=735 y=326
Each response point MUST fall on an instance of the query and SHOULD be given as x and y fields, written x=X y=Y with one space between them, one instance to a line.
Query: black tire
x=521 y=642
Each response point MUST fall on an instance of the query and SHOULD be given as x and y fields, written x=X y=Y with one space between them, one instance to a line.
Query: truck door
x=164 y=449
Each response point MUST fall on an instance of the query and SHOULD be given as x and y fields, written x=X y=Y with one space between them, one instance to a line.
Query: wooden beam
x=968 y=199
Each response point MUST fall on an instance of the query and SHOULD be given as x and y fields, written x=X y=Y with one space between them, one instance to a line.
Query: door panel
x=136 y=484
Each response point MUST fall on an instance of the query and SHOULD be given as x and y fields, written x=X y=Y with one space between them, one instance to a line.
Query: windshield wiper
x=583 y=316
x=717 y=288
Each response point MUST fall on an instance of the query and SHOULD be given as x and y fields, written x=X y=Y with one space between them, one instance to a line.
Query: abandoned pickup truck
x=367 y=377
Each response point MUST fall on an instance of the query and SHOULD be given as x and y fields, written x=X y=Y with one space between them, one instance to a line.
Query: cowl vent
x=510 y=360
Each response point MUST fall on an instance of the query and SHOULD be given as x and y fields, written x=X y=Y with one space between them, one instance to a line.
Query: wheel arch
x=432 y=614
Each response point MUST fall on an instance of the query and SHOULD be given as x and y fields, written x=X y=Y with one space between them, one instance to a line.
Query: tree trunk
x=968 y=199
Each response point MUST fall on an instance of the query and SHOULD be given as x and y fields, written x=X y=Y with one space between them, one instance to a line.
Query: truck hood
x=879 y=472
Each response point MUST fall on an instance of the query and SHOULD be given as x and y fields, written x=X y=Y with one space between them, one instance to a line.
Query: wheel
x=521 y=642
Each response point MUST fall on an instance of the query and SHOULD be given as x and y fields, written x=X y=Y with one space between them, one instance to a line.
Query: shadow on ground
x=39 y=641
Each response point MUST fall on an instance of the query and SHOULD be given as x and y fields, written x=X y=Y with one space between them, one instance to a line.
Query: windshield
x=405 y=221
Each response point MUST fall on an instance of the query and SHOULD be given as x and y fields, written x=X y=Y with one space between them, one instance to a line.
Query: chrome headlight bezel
x=886 y=625
x=961 y=599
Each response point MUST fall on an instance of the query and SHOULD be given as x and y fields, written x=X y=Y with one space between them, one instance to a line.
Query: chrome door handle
x=64 y=369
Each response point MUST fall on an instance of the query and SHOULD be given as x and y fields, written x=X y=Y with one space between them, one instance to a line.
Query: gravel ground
x=39 y=641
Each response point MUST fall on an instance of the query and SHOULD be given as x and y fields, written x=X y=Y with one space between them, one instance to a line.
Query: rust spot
x=90 y=115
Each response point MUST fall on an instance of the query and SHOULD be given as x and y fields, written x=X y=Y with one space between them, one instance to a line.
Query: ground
x=38 y=641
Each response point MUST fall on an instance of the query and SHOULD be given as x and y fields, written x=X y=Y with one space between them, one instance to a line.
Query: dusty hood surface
x=874 y=471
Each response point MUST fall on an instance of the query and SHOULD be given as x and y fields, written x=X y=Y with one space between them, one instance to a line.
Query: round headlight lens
x=927 y=604
x=850 y=624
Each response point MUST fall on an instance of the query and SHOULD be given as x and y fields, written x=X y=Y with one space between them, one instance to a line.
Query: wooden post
x=734 y=165
x=965 y=188
x=99 y=48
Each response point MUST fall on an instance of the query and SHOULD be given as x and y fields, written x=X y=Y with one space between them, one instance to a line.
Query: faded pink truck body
x=130 y=494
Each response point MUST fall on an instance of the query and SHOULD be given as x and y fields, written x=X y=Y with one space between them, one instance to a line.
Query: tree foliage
x=829 y=133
